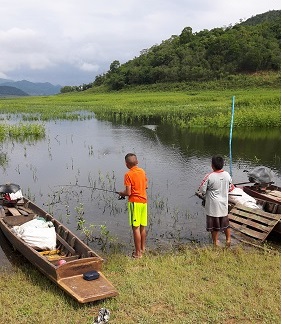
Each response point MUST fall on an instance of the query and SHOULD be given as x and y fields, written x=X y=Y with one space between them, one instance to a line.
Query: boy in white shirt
x=214 y=188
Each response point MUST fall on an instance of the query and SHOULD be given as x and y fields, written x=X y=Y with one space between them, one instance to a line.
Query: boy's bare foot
x=216 y=243
x=136 y=256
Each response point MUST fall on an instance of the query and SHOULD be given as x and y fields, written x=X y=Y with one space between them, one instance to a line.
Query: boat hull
x=78 y=257
x=271 y=193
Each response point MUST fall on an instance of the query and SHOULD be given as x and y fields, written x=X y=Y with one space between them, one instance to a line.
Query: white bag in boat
x=37 y=233
x=17 y=195
x=243 y=198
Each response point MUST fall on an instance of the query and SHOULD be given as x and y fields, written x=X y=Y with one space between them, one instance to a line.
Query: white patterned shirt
x=215 y=187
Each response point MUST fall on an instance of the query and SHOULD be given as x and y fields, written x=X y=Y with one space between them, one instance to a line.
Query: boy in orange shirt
x=135 y=182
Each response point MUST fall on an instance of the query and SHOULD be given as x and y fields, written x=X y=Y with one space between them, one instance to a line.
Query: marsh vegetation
x=256 y=107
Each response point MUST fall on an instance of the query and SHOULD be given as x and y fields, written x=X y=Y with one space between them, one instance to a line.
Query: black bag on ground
x=91 y=275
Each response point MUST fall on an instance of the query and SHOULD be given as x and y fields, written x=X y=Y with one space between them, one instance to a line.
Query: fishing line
x=93 y=188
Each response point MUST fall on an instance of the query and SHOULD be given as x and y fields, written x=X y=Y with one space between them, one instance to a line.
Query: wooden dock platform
x=254 y=223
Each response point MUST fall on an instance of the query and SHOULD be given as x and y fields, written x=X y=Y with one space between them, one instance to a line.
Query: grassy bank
x=254 y=107
x=193 y=285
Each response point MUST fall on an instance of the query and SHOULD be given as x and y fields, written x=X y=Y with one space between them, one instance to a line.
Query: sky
x=70 y=42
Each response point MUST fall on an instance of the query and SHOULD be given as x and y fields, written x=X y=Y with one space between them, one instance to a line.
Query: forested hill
x=247 y=47
x=6 y=91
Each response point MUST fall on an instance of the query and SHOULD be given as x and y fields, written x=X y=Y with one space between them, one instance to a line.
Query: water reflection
x=258 y=146
x=91 y=153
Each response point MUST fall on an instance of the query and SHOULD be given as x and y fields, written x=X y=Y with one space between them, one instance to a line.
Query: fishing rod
x=241 y=183
x=93 y=188
x=197 y=194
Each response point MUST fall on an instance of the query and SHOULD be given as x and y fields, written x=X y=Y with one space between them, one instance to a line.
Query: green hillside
x=7 y=91
x=249 y=47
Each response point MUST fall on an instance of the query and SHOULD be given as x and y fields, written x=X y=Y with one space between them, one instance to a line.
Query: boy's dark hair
x=217 y=162
x=129 y=155
x=131 y=159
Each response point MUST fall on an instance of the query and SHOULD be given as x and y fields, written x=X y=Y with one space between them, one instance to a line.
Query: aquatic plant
x=22 y=132
x=4 y=160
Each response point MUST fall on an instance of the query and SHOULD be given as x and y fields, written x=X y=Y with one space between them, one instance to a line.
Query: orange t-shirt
x=137 y=180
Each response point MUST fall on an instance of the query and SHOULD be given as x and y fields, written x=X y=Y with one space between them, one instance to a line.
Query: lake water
x=91 y=153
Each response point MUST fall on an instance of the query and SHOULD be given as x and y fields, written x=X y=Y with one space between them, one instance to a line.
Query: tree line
x=247 y=47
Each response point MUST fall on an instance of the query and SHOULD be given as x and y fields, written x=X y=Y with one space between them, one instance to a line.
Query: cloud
x=89 y=67
x=20 y=47
x=78 y=40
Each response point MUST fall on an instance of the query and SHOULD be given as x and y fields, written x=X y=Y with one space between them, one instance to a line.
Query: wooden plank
x=275 y=194
x=78 y=267
x=14 y=211
x=250 y=223
x=253 y=222
x=257 y=211
x=249 y=232
x=24 y=211
x=255 y=217
x=85 y=291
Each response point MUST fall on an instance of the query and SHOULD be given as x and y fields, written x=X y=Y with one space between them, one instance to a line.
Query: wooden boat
x=78 y=257
x=269 y=193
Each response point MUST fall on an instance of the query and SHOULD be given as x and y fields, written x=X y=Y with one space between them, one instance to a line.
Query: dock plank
x=256 y=216
x=257 y=212
x=248 y=222
x=248 y=231
x=255 y=223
